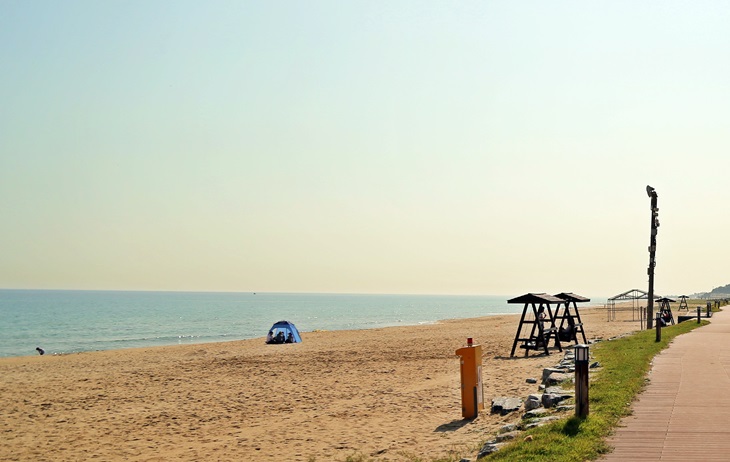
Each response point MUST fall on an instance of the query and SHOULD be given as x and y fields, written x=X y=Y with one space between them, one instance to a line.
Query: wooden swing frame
x=570 y=318
x=540 y=336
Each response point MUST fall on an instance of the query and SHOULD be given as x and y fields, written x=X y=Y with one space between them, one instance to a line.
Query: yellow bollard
x=472 y=391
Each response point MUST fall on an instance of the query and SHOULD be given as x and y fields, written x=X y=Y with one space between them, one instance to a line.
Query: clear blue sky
x=360 y=146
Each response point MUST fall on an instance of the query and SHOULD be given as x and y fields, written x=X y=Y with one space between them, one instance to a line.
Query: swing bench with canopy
x=542 y=320
x=543 y=311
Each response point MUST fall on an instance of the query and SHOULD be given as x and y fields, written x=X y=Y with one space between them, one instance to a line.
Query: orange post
x=472 y=392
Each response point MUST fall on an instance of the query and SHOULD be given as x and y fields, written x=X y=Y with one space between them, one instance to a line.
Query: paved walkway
x=684 y=413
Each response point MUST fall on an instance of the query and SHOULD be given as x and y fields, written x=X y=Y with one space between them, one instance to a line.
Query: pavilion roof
x=536 y=298
x=633 y=294
x=571 y=297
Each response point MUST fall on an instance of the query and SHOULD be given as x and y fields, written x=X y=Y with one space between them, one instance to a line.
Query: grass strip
x=625 y=363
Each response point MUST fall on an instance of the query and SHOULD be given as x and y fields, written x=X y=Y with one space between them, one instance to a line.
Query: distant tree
x=721 y=290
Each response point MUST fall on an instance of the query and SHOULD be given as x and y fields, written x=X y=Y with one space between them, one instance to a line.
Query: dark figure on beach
x=280 y=337
x=40 y=351
x=566 y=334
x=541 y=316
x=290 y=338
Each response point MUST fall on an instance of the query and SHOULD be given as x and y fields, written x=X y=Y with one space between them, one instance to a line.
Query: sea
x=67 y=321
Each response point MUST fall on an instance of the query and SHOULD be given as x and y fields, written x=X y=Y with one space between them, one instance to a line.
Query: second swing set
x=547 y=318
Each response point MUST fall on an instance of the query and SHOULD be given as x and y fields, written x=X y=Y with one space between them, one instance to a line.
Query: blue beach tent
x=283 y=332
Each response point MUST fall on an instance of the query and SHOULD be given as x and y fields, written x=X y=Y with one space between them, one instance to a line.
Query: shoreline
x=382 y=392
x=31 y=347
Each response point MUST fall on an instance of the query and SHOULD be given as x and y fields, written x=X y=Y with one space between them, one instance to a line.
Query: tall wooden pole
x=652 y=254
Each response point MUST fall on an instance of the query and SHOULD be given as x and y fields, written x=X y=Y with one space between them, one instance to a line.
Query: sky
x=415 y=147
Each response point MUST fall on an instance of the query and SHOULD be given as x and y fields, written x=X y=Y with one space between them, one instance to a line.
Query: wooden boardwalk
x=684 y=413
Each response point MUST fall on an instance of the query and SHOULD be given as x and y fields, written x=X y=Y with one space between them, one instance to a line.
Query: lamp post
x=581 y=380
x=651 y=192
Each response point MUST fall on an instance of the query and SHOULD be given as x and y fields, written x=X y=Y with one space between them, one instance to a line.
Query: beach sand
x=387 y=394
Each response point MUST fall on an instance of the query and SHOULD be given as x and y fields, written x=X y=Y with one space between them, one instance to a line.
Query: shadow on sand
x=453 y=425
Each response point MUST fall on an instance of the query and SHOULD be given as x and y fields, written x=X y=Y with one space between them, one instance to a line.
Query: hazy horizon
x=363 y=147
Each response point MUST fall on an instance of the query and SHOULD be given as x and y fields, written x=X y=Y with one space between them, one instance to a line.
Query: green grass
x=625 y=363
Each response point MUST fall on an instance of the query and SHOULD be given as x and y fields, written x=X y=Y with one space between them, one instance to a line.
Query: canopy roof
x=536 y=298
x=633 y=294
x=571 y=297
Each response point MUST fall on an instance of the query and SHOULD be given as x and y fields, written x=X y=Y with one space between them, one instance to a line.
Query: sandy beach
x=387 y=394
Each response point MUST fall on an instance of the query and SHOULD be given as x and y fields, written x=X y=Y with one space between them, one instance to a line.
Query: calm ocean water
x=75 y=321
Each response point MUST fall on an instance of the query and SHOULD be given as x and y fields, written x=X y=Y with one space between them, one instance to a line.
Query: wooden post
x=652 y=254
x=698 y=315
x=581 y=381
x=658 y=327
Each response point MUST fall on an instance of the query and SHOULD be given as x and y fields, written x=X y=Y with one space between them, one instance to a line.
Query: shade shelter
x=570 y=323
x=538 y=318
x=283 y=332
x=634 y=295
x=665 y=310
